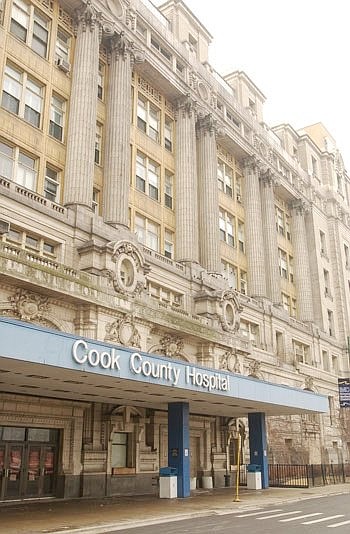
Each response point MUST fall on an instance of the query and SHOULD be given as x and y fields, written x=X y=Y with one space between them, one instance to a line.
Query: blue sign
x=344 y=392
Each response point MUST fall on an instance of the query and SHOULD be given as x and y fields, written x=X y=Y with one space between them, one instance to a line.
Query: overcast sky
x=295 y=51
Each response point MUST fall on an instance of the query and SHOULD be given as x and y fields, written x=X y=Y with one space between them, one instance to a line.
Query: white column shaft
x=79 y=173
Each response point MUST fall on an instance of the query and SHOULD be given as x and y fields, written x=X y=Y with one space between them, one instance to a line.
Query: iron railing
x=302 y=475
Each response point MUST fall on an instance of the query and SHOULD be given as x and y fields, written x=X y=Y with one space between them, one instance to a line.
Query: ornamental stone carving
x=254 y=369
x=129 y=275
x=87 y=16
x=230 y=361
x=231 y=309
x=172 y=346
x=124 y=332
x=116 y=7
x=29 y=306
x=186 y=106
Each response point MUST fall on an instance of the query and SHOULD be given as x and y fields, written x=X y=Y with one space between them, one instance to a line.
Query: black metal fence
x=301 y=476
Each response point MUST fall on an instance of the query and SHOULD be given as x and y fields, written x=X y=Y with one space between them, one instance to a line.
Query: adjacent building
x=146 y=205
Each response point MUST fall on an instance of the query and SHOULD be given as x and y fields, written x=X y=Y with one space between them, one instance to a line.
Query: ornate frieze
x=124 y=332
x=186 y=106
x=29 y=306
x=172 y=346
x=87 y=16
x=230 y=361
x=129 y=275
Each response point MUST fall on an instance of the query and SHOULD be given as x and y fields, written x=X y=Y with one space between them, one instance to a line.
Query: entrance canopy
x=42 y=362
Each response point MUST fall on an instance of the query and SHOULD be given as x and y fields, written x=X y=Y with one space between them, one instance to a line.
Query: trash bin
x=168 y=483
x=254 y=476
x=207 y=482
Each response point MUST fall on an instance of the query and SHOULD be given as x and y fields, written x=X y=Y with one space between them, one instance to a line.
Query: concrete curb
x=257 y=504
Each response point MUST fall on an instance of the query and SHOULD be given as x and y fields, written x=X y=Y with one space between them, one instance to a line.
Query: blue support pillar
x=179 y=445
x=258 y=445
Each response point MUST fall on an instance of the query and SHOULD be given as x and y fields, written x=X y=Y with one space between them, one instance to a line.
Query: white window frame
x=169 y=190
x=22 y=174
x=26 y=92
x=57 y=117
x=227 y=225
x=147 y=176
x=147 y=232
x=148 y=118
x=35 y=20
x=225 y=178
x=52 y=184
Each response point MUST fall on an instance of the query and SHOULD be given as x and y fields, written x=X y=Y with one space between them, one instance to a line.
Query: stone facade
x=144 y=202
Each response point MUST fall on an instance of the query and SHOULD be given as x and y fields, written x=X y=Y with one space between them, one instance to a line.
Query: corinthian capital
x=120 y=47
x=186 y=106
x=206 y=125
x=267 y=177
x=299 y=206
x=87 y=16
x=251 y=164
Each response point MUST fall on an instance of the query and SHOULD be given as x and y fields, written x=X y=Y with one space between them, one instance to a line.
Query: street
x=307 y=516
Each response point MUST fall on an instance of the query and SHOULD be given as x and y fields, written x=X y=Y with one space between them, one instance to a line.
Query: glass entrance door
x=13 y=471
x=28 y=469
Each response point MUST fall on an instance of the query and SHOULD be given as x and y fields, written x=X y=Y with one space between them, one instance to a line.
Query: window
x=95 y=200
x=225 y=178
x=314 y=166
x=327 y=289
x=226 y=225
x=229 y=272
x=6 y=161
x=286 y=303
x=30 y=26
x=98 y=144
x=51 y=184
x=169 y=244
x=22 y=95
x=141 y=30
x=347 y=257
x=101 y=78
x=250 y=331
x=330 y=318
x=147 y=232
x=169 y=190
x=168 y=134
x=121 y=453
x=147 y=176
x=240 y=234
x=57 y=113
x=291 y=269
x=280 y=221
x=180 y=69
x=161 y=48
x=238 y=188
x=325 y=360
x=17 y=166
x=323 y=243
x=243 y=282
x=31 y=242
x=302 y=352
x=62 y=52
x=283 y=265
x=148 y=118
x=165 y=294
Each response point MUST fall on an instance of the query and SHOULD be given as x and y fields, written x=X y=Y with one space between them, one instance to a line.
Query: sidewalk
x=97 y=516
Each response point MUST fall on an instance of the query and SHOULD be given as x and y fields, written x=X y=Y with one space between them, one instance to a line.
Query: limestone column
x=186 y=206
x=79 y=172
x=208 y=202
x=121 y=58
x=253 y=228
x=270 y=236
x=301 y=262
